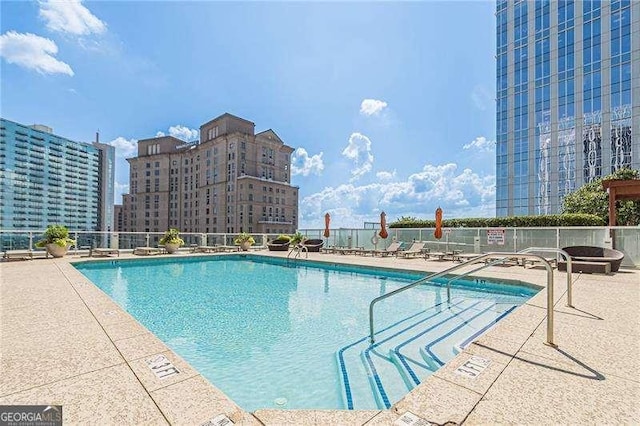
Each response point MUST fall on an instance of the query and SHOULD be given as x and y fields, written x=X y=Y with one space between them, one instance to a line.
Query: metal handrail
x=300 y=248
x=297 y=249
x=480 y=258
x=527 y=250
x=473 y=271
x=569 y=268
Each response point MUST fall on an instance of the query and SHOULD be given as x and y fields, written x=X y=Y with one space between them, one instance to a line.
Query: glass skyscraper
x=568 y=98
x=47 y=179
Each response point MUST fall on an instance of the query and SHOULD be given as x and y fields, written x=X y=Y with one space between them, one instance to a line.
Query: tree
x=592 y=198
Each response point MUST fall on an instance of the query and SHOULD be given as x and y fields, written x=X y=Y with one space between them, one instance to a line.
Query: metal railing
x=528 y=250
x=569 y=267
x=480 y=258
x=297 y=249
x=476 y=240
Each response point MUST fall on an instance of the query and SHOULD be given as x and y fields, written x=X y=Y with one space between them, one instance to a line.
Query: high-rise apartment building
x=568 y=98
x=232 y=180
x=47 y=179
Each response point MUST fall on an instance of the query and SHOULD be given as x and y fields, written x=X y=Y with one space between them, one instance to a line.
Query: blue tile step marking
x=439 y=350
x=387 y=389
x=384 y=375
x=409 y=355
x=466 y=342
x=356 y=390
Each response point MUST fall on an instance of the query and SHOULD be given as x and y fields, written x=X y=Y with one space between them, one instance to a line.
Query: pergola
x=620 y=190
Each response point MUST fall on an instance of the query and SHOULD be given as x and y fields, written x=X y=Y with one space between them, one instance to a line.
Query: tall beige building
x=233 y=180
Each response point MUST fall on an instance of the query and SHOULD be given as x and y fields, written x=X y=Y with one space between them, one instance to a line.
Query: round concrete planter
x=245 y=246
x=57 y=251
x=171 y=247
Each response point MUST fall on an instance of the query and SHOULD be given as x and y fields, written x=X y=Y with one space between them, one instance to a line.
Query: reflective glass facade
x=568 y=108
x=47 y=179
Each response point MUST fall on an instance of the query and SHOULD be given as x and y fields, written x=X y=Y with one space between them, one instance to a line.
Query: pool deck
x=64 y=342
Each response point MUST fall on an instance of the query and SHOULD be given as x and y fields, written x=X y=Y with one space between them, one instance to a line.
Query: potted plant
x=171 y=240
x=244 y=240
x=296 y=238
x=56 y=240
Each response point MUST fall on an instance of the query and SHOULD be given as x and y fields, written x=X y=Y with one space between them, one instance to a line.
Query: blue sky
x=388 y=105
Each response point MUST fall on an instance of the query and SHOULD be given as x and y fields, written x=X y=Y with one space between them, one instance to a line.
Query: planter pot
x=245 y=246
x=171 y=248
x=57 y=251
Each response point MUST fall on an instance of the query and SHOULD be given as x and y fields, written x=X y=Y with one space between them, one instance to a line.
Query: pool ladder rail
x=492 y=258
x=294 y=253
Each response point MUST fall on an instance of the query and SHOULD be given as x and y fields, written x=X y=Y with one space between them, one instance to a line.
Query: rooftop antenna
x=98 y=136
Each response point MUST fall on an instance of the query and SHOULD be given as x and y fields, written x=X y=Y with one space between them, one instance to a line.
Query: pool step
x=406 y=352
x=439 y=351
x=358 y=363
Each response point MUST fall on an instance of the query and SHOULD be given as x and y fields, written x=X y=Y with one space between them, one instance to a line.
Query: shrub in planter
x=296 y=238
x=56 y=240
x=171 y=240
x=244 y=240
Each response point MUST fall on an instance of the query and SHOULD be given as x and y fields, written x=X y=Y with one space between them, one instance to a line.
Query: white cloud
x=386 y=176
x=32 y=52
x=372 y=106
x=119 y=189
x=359 y=151
x=124 y=147
x=70 y=16
x=481 y=97
x=181 y=132
x=459 y=193
x=303 y=164
x=481 y=144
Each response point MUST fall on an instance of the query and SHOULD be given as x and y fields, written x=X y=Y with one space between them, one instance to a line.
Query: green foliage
x=283 y=237
x=56 y=234
x=593 y=199
x=296 y=238
x=407 y=219
x=172 y=236
x=244 y=237
x=512 y=221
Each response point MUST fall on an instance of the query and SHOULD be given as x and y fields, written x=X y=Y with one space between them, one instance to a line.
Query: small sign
x=473 y=367
x=162 y=367
x=220 y=420
x=410 y=419
x=495 y=236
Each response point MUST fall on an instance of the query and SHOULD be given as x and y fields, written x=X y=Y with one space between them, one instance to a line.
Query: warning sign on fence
x=495 y=236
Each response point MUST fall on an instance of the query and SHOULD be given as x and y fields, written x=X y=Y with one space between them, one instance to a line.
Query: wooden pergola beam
x=620 y=190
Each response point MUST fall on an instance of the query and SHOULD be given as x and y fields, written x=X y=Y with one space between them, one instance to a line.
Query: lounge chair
x=101 y=251
x=279 y=245
x=416 y=249
x=392 y=249
x=147 y=251
x=205 y=249
x=313 y=245
x=593 y=254
x=24 y=254
x=330 y=249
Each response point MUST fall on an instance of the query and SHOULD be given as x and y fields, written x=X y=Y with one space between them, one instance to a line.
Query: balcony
x=274 y=220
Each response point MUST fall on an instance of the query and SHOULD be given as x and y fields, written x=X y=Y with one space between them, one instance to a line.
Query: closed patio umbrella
x=383 y=224
x=327 y=220
x=438 y=232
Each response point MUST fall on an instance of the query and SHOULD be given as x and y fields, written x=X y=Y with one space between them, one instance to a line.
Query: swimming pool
x=272 y=335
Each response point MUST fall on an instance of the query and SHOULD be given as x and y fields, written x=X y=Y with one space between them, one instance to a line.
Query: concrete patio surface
x=63 y=341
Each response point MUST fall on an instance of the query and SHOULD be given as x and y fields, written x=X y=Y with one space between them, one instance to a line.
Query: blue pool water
x=276 y=336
